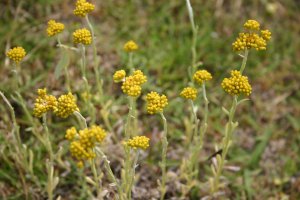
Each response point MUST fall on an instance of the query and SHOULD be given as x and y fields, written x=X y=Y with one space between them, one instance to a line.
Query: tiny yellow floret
x=252 y=25
x=82 y=36
x=16 y=54
x=71 y=133
x=130 y=46
x=82 y=8
x=201 y=76
x=44 y=103
x=138 y=142
x=54 y=28
x=189 y=93
x=119 y=76
x=66 y=105
x=155 y=102
x=237 y=84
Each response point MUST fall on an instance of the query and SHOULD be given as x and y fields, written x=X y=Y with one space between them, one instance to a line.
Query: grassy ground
x=267 y=141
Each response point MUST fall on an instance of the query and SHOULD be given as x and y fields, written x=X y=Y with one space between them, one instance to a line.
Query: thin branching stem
x=164 y=157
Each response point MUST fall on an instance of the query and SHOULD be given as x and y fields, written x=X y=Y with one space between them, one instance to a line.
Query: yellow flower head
x=119 y=76
x=80 y=153
x=138 y=142
x=252 y=25
x=16 y=54
x=71 y=133
x=252 y=38
x=202 y=75
x=189 y=93
x=130 y=46
x=90 y=136
x=132 y=84
x=44 y=103
x=66 y=105
x=237 y=84
x=266 y=34
x=54 y=28
x=82 y=36
x=155 y=102
x=83 y=8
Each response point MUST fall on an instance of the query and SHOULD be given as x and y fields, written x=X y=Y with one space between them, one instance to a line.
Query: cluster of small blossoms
x=44 y=103
x=155 y=102
x=237 y=84
x=119 y=76
x=130 y=46
x=66 y=105
x=253 y=38
x=83 y=142
x=82 y=36
x=132 y=84
x=138 y=142
x=16 y=54
x=202 y=75
x=83 y=8
x=189 y=93
x=54 y=28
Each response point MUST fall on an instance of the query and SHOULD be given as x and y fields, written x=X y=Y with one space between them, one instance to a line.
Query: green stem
x=130 y=62
x=130 y=116
x=230 y=126
x=164 y=157
x=81 y=119
x=96 y=178
x=245 y=57
x=132 y=173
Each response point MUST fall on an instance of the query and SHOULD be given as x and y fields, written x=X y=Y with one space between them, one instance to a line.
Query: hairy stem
x=164 y=157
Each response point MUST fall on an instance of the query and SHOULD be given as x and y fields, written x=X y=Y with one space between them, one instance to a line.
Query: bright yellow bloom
x=80 y=153
x=202 y=75
x=189 y=93
x=54 y=28
x=119 y=76
x=130 y=46
x=248 y=41
x=66 y=105
x=266 y=34
x=138 y=142
x=252 y=25
x=44 y=103
x=90 y=136
x=83 y=8
x=71 y=133
x=132 y=84
x=82 y=36
x=155 y=102
x=237 y=84
x=252 y=38
x=16 y=54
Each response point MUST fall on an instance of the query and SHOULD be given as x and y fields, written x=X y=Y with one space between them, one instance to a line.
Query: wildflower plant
x=156 y=104
x=54 y=28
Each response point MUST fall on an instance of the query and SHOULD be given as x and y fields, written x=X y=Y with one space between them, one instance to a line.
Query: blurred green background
x=267 y=141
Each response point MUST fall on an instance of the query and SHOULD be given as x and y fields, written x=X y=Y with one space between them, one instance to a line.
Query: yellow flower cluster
x=202 y=75
x=132 y=84
x=237 y=84
x=44 y=103
x=252 y=38
x=130 y=46
x=155 y=102
x=119 y=76
x=83 y=143
x=189 y=93
x=82 y=36
x=252 y=25
x=71 y=133
x=16 y=54
x=66 y=105
x=83 y=8
x=138 y=142
x=54 y=28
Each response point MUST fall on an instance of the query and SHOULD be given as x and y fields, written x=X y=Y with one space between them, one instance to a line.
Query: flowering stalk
x=245 y=57
x=164 y=157
x=130 y=117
